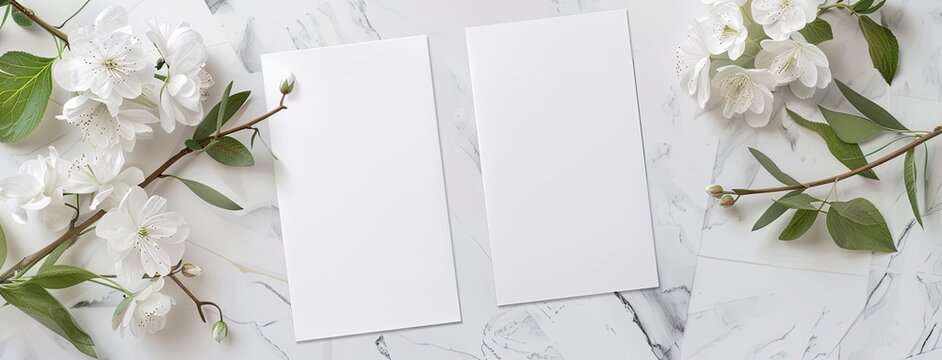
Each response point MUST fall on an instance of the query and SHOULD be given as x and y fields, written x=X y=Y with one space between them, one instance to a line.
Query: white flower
x=746 y=92
x=693 y=65
x=143 y=237
x=105 y=126
x=103 y=175
x=185 y=55
x=105 y=59
x=146 y=312
x=797 y=63
x=724 y=30
x=38 y=188
x=781 y=18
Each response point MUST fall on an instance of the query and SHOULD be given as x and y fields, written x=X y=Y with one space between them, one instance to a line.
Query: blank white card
x=361 y=189
x=562 y=158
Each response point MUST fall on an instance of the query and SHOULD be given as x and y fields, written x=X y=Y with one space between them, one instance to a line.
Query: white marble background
x=725 y=293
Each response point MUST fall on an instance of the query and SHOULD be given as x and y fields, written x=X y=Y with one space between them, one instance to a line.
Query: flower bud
x=287 y=85
x=220 y=331
x=191 y=271
x=727 y=201
x=714 y=190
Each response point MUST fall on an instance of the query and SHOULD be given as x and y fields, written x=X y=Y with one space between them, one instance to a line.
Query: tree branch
x=76 y=230
x=39 y=21
x=935 y=132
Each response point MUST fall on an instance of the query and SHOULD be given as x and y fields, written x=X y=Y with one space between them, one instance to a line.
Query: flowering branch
x=39 y=21
x=74 y=231
x=833 y=179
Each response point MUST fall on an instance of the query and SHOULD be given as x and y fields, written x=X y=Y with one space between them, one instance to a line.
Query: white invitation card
x=361 y=189
x=562 y=157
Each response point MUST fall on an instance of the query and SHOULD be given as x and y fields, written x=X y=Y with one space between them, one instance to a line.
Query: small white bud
x=727 y=201
x=714 y=190
x=220 y=331
x=191 y=271
x=287 y=85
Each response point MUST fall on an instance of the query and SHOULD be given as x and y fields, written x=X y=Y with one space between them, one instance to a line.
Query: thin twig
x=935 y=132
x=39 y=21
x=199 y=303
x=66 y=21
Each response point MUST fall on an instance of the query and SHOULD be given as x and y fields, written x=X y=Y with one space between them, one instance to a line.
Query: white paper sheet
x=562 y=158
x=361 y=190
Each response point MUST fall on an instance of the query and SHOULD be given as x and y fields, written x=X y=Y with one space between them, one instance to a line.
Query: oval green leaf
x=817 y=31
x=909 y=178
x=62 y=276
x=3 y=247
x=231 y=152
x=25 y=87
x=773 y=212
x=36 y=302
x=884 y=49
x=799 y=201
x=858 y=225
x=848 y=154
x=209 y=194
x=869 y=108
x=799 y=224
x=208 y=125
x=21 y=19
x=773 y=169
x=851 y=128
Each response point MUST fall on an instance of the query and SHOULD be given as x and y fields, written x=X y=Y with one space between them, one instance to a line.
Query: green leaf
x=884 y=49
x=193 y=145
x=220 y=118
x=909 y=178
x=119 y=312
x=3 y=247
x=36 y=302
x=55 y=255
x=773 y=212
x=5 y=2
x=231 y=152
x=61 y=277
x=873 y=8
x=25 y=86
x=209 y=194
x=861 y=5
x=799 y=225
x=817 y=31
x=21 y=19
x=868 y=108
x=848 y=154
x=851 y=128
x=207 y=127
x=773 y=169
x=799 y=201
x=6 y=15
x=858 y=225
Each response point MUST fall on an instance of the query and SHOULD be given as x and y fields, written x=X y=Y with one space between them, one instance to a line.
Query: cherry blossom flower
x=746 y=92
x=795 y=62
x=185 y=54
x=104 y=126
x=724 y=30
x=781 y=18
x=146 y=311
x=693 y=65
x=102 y=174
x=37 y=189
x=143 y=237
x=105 y=59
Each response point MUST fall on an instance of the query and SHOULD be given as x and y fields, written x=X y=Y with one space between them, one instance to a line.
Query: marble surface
x=725 y=293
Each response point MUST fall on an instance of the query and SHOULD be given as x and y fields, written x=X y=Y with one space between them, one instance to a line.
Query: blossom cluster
x=746 y=50
x=121 y=85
